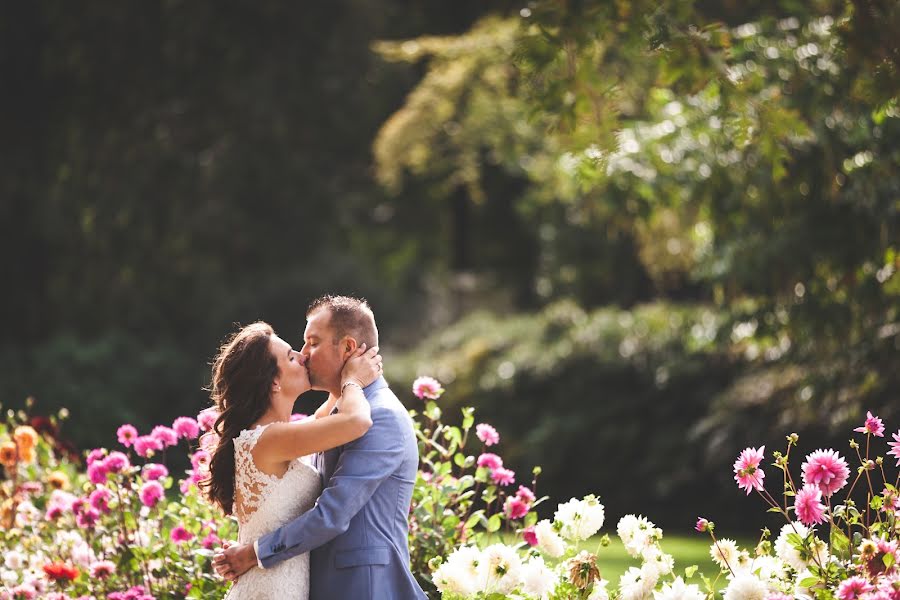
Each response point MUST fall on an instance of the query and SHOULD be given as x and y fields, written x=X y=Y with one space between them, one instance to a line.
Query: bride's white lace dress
x=262 y=503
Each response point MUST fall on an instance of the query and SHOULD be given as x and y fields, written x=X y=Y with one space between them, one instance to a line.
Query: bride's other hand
x=365 y=366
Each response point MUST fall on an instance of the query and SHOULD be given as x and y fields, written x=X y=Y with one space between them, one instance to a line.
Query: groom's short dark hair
x=349 y=317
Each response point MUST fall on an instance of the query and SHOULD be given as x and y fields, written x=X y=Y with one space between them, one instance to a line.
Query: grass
x=688 y=550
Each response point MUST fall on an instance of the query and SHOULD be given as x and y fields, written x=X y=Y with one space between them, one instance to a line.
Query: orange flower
x=58 y=480
x=26 y=455
x=26 y=437
x=60 y=571
x=9 y=456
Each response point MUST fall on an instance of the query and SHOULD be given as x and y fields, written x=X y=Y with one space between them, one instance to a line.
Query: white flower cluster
x=20 y=568
x=641 y=540
x=580 y=519
x=497 y=569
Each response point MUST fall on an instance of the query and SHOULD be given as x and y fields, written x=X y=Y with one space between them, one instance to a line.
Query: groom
x=357 y=532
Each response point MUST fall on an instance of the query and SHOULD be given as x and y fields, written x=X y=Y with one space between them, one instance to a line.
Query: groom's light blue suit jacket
x=357 y=531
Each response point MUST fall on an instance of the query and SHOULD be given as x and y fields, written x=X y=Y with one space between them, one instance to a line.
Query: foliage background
x=637 y=236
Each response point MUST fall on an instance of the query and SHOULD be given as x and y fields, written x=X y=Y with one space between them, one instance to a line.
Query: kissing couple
x=322 y=503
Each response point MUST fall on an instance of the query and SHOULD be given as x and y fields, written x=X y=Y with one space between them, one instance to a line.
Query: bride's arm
x=287 y=441
x=325 y=409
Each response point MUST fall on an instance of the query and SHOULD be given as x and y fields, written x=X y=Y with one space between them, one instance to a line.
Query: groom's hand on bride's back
x=233 y=560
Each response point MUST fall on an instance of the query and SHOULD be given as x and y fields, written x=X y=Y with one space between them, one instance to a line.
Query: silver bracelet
x=351 y=382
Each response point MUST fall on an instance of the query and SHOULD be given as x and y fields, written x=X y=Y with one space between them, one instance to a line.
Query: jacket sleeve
x=361 y=467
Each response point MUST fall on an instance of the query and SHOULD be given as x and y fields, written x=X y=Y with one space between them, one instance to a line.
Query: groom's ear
x=348 y=346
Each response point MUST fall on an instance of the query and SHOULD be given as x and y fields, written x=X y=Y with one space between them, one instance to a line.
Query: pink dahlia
x=427 y=387
x=151 y=493
x=853 y=588
x=127 y=434
x=827 y=470
x=895 y=447
x=166 y=435
x=207 y=418
x=503 y=476
x=186 y=428
x=490 y=461
x=154 y=471
x=746 y=469
x=180 y=534
x=487 y=434
x=530 y=536
x=146 y=445
x=116 y=462
x=525 y=495
x=99 y=499
x=95 y=455
x=87 y=518
x=873 y=425
x=808 y=505
x=200 y=460
x=211 y=541
x=102 y=569
x=515 y=508
x=702 y=525
x=97 y=471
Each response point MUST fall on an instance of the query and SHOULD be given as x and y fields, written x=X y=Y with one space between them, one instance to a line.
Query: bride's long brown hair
x=241 y=388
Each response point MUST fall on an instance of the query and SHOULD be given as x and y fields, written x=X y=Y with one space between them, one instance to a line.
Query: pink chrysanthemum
x=427 y=387
x=808 y=505
x=116 y=462
x=146 y=445
x=827 y=470
x=186 y=428
x=873 y=425
x=747 y=473
x=102 y=569
x=97 y=471
x=525 y=495
x=127 y=434
x=515 y=508
x=154 y=471
x=207 y=418
x=180 y=534
x=487 y=434
x=853 y=588
x=151 y=493
x=503 y=476
x=490 y=461
x=166 y=435
x=95 y=455
x=99 y=499
x=895 y=447
x=530 y=536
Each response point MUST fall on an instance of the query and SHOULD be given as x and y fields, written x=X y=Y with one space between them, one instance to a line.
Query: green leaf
x=493 y=523
x=690 y=571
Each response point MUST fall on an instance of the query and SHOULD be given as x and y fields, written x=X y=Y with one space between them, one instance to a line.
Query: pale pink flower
x=515 y=508
x=95 y=455
x=127 y=434
x=853 y=588
x=503 y=476
x=746 y=469
x=525 y=495
x=702 y=525
x=151 y=493
x=186 y=428
x=102 y=569
x=166 y=435
x=487 y=434
x=207 y=418
x=209 y=441
x=778 y=596
x=891 y=500
x=873 y=425
x=200 y=460
x=116 y=462
x=827 y=470
x=146 y=445
x=490 y=461
x=298 y=417
x=530 y=536
x=180 y=534
x=808 y=505
x=895 y=447
x=154 y=471
x=427 y=387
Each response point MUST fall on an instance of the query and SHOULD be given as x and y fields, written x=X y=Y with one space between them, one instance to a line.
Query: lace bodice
x=263 y=503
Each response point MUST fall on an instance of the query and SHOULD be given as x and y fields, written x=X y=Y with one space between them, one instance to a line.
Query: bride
x=260 y=471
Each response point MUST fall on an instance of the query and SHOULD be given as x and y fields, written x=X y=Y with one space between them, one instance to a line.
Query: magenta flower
x=116 y=462
x=87 y=518
x=427 y=387
x=487 y=434
x=99 y=499
x=97 y=471
x=200 y=460
x=146 y=445
x=503 y=476
x=154 y=471
x=102 y=569
x=825 y=469
x=702 y=525
x=525 y=495
x=166 y=435
x=873 y=425
x=808 y=505
x=127 y=434
x=180 y=534
x=853 y=588
x=151 y=493
x=515 y=508
x=186 y=428
x=530 y=536
x=895 y=447
x=207 y=418
x=211 y=541
x=95 y=455
x=746 y=469
x=490 y=461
